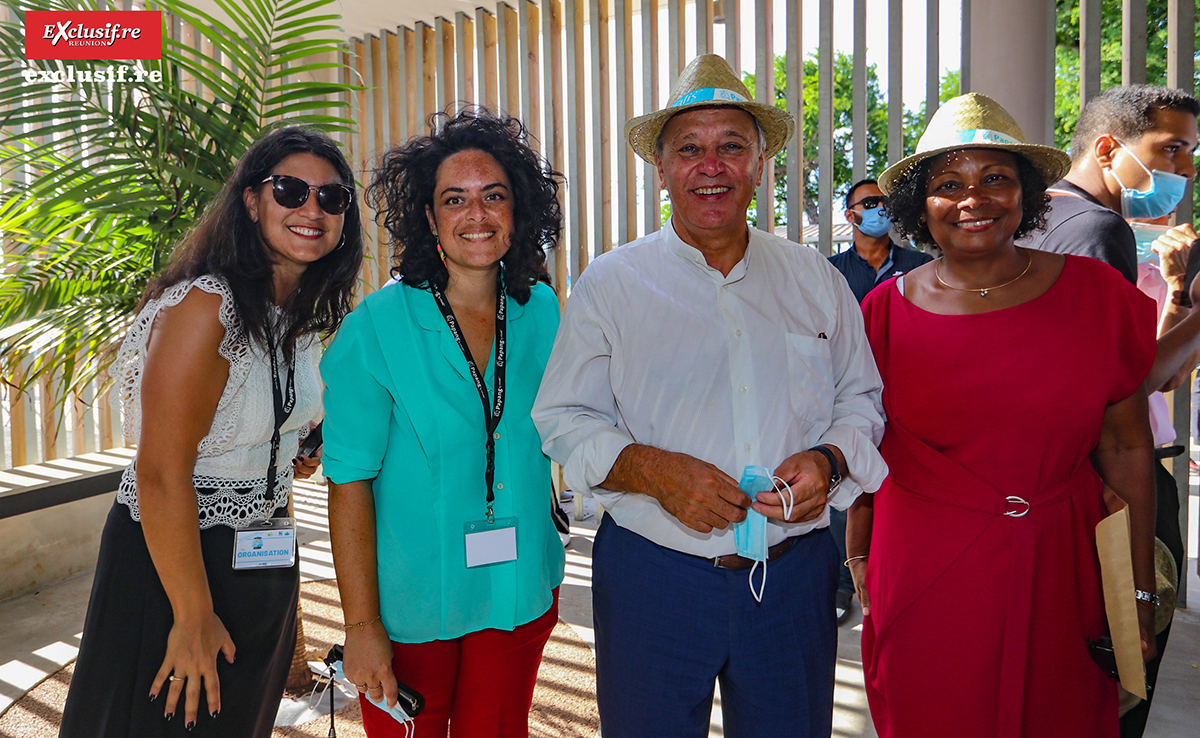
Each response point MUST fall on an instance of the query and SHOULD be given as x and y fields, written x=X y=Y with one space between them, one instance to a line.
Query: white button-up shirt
x=658 y=348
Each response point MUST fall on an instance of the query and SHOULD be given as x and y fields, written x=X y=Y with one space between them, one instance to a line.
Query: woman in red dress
x=1013 y=390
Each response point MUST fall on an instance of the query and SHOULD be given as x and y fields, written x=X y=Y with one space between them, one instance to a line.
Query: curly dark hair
x=906 y=202
x=403 y=186
x=226 y=243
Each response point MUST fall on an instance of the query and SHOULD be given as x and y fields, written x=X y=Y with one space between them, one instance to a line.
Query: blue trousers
x=668 y=626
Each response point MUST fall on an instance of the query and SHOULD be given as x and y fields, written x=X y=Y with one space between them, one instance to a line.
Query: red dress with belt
x=983 y=579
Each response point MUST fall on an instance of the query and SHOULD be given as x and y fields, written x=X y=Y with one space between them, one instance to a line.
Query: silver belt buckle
x=1014 y=500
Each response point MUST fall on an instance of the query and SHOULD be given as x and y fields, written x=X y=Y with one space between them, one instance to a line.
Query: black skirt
x=125 y=640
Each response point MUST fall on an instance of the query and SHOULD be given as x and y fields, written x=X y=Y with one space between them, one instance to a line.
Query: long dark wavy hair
x=226 y=243
x=906 y=201
x=403 y=186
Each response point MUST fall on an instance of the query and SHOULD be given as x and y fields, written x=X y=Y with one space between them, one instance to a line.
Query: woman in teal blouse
x=448 y=571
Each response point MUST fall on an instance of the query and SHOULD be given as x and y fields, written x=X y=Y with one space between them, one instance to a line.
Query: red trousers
x=480 y=685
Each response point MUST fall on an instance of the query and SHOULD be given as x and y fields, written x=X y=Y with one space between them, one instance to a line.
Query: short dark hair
x=855 y=186
x=906 y=203
x=226 y=243
x=1126 y=112
x=403 y=186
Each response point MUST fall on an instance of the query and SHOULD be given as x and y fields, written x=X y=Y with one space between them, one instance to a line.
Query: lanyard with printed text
x=491 y=410
x=284 y=401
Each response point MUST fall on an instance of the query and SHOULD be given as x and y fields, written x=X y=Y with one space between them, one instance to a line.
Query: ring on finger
x=171 y=677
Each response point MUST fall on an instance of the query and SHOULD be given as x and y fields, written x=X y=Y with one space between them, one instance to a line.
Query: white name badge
x=490 y=543
x=265 y=545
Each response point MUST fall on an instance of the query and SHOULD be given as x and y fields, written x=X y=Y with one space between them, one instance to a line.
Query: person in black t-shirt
x=1131 y=158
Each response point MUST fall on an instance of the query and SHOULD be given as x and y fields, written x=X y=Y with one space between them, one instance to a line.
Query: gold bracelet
x=364 y=623
x=853 y=558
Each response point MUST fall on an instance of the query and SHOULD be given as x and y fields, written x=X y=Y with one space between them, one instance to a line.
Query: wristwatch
x=835 y=476
x=1142 y=595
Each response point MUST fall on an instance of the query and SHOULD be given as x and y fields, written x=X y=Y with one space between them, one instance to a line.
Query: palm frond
x=99 y=181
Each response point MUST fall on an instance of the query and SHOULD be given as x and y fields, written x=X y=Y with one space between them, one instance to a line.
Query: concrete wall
x=46 y=546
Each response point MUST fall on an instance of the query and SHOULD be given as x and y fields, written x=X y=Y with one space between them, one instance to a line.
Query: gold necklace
x=937 y=272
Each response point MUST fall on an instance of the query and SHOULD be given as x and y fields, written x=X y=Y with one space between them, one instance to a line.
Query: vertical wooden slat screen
x=396 y=91
x=764 y=92
x=576 y=140
x=408 y=80
x=19 y=454
x=825 y=183
x=1133 y=42
x=964 y=78
x=652 y=212
x=933 y=77
x=895 y=146
x=464 y=69
x=487 y=25
x=1089 y=50
x=444 y=53
x=858 y=93
x=377 y=136
x=552 y=32
x=623 y=109
x=601 y=126
x=794 y=56
x=733 y=33
x=106 y=437
x=507 y=27
x=428 y=66
x=422 y=61
x=50 y=439
x=704 y=27
x=378 y=93
x=676 y=43
x=527 y=19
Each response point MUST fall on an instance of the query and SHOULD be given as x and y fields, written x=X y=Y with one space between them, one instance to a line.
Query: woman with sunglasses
x=191 y=624
x=447 y=558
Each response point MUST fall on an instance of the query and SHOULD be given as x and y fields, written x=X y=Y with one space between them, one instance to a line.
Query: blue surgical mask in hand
x=398 y=714
x=875 y=222
x=1144 y=235
x=1166 y=190
x=750 y=535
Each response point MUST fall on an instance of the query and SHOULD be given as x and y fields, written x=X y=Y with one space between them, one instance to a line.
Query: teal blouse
x=401 y=410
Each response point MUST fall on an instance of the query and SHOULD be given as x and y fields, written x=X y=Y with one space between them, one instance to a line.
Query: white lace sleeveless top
x=231 y=462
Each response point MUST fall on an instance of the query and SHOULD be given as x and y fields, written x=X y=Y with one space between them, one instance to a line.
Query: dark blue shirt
x=863 y=278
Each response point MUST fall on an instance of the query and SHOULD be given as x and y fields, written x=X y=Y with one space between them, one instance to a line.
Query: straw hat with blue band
x=709 y=81
x=974 y=121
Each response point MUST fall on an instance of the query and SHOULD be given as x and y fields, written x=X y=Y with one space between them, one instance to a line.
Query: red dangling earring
x=441 y=253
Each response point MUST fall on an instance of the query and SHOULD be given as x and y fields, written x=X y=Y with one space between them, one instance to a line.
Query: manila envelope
x=1114 y=547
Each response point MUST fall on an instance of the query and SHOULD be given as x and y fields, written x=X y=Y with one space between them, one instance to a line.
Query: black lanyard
x=283 y=410
x=491 y=410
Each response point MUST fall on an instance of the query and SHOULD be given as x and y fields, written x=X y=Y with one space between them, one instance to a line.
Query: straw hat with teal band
x=974 y=121
x=709 y=81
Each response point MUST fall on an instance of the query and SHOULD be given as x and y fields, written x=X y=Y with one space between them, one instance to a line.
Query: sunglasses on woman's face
x=292 y=192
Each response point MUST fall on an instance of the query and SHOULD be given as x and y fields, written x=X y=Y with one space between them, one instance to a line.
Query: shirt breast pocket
x=810 y=379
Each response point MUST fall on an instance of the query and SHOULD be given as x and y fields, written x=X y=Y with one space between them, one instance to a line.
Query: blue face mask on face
x=1166 y=190
x=750 y=535
x=875 y=222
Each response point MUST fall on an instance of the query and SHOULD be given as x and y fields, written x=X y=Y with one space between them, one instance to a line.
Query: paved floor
x=39 y=632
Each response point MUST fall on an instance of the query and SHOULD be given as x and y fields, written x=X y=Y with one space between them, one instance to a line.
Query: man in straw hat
x=696 y=356
x=1131 y=158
